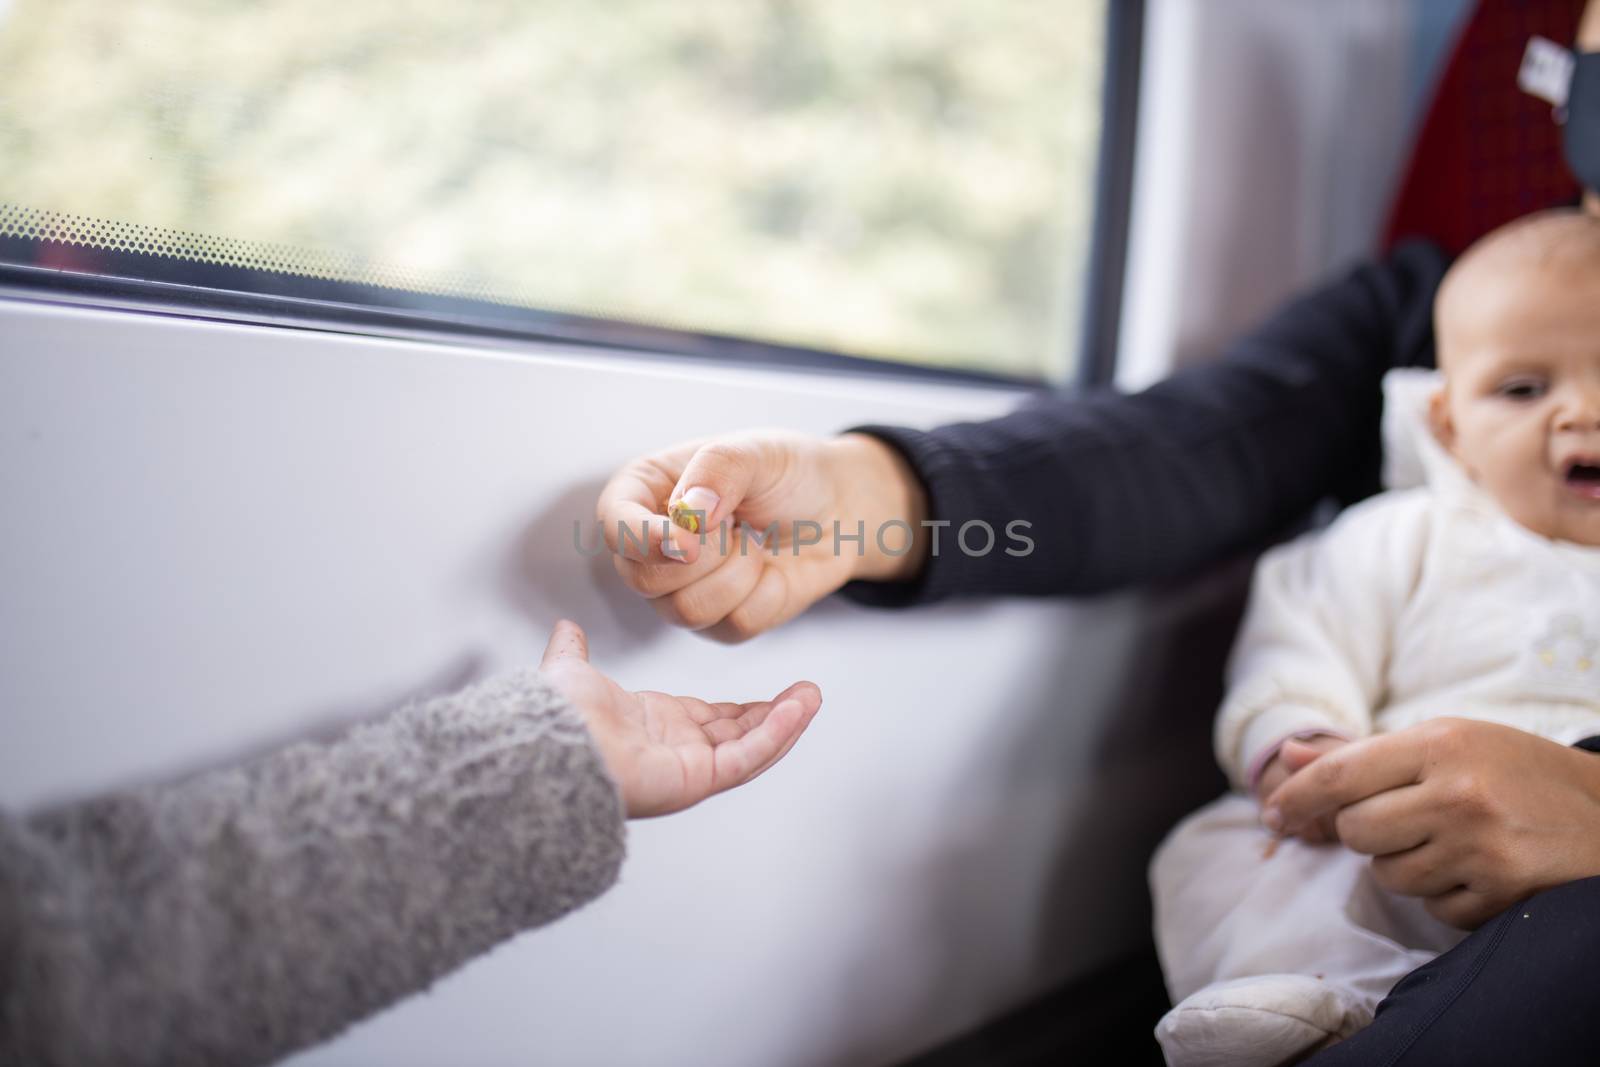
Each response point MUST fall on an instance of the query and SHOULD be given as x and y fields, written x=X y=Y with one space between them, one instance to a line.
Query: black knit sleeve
x=1125 y=489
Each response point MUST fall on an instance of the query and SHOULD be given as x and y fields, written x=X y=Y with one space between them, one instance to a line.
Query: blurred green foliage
x=907 y=180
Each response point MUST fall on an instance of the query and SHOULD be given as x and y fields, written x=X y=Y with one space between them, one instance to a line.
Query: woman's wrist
x=880 y=490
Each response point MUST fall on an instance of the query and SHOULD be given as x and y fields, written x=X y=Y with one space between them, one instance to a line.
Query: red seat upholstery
x=1487 y=152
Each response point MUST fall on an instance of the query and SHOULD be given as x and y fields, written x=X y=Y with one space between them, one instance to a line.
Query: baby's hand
x=1289 y=758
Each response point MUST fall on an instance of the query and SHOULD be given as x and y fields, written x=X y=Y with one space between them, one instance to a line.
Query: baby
x=1475 y=596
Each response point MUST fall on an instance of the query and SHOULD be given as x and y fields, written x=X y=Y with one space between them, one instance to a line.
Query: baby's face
x=1521 y=406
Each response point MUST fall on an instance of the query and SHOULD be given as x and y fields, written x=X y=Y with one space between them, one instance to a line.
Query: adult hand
x=1471 y=816
x=794 y=486
x=665 y=752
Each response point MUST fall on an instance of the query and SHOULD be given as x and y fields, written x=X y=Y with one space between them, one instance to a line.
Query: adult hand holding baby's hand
x=1472 y=816
x=1293 y=755
x=665 y=752
x=804 y=485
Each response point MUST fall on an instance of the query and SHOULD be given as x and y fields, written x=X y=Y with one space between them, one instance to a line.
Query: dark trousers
x=1523 y=989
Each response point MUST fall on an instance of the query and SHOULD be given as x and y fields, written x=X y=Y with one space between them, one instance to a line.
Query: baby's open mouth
x=1583 y=476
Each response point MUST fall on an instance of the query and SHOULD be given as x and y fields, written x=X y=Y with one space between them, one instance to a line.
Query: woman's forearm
x=1117 y=489
x=245 y=913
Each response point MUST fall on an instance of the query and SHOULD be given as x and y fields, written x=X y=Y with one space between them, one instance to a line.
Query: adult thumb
x=715 y=481
x=567 y=641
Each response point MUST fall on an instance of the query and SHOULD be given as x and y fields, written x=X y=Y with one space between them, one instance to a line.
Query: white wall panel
x=217 y=537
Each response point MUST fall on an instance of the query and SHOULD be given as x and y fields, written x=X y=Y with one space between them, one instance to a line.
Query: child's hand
x=665 y=752
x=1290 y=758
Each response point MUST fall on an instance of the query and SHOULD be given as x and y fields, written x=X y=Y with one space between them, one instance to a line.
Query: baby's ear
x=1439 y=421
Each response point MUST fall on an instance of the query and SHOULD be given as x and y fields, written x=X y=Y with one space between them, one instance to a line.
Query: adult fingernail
x=1272 y=819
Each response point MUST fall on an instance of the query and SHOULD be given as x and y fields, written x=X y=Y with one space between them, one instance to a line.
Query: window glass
x=911 y=181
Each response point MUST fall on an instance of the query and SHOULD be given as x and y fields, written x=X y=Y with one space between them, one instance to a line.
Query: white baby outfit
x=1420 y=603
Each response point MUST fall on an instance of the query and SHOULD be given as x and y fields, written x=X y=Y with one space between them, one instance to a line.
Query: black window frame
x=163 y=284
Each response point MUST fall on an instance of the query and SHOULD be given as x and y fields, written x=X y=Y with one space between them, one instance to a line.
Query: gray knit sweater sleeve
x=242 y=914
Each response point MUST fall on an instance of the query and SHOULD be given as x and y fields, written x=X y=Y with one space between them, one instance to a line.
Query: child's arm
x=1312 y=655
x=239 y=915
x=247 y=912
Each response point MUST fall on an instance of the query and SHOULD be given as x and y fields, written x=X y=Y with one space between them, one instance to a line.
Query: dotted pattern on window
x=111 y=236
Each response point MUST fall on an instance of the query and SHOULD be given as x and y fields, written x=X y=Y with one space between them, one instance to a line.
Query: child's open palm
x=668 y=752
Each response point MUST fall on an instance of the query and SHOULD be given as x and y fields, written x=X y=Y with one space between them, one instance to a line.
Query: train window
x=903 y=182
